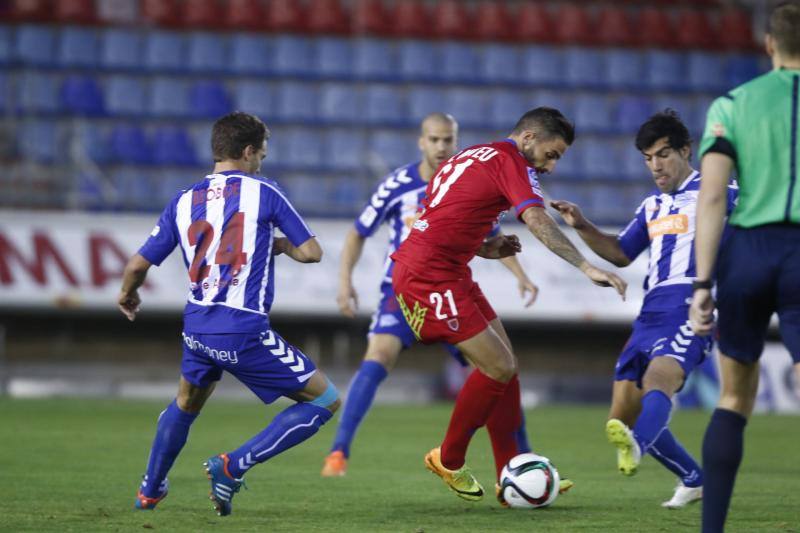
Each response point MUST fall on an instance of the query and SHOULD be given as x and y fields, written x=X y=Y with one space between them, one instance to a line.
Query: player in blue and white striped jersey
x=224 y=225
x=395 y=203
x=662 y=349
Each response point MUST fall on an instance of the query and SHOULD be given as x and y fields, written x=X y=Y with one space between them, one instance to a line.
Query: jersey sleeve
x=719 y=135
x=286 y=217
x=634 y=239
x=520 y=186
x=164 y=237
x=377 y=209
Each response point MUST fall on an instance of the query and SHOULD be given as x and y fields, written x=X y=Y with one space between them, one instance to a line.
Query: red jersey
x=462 y=203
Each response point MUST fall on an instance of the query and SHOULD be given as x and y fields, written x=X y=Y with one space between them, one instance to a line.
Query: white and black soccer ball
x=529 y=481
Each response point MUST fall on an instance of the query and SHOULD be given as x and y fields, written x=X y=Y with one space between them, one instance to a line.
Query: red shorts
x=441 y=311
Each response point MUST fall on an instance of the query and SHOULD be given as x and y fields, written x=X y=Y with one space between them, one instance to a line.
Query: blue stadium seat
x=82 y=95
x=623 y=69
x=740 y=69
x=632 y=165
x=37 y=93
x=201 y=140
x=250 y=54
x=297 y=101
x=696 y=122
x=165 y=51
x=129 y=145
x=173 y=146
x=505 y=108
x=384 y=104
x=459 y=62
x=208 y=99
x=78 y=47
x=542 y=66
x=5 y=98
x=39 y=141
x=632 y=112
x=334 y=57
x=170 y=182
x=600 y=159
x=292 y=56
x=665 y=71
x=500 y=63
x=583 y=67
x=468 y=106
x=136 y=188
x=593 y=113
x=705 y=71
x=374 y=59
x=35 y=45
x=168 y=98
x=471 y=137
x=570 y=167
x=125 y=96
x=255 y=97
x=93 y=142
x=418 y=60
x=556 y=99
x=347 y=195
x=606 y=205
x=304 y=191
x=571 y=192
x=345 y=149
x=424 y=100
x=392 y=148
x=122 y=49
x=339 y=103
x=6 y=52
x=302 y=147
x=208 y=52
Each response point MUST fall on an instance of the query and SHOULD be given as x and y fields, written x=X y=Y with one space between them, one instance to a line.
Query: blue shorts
x=268 y=365
x=661 y=335
x=759 y=274
x=388 y=319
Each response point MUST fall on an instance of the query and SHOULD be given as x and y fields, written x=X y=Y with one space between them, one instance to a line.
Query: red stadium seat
x=285 y=15
x=493 y=22
x=244 y=14
x=327 y=16
x=411 y=18
x=75 y=11
x=31 y=10
x=202 y=14
x=451 y=20
x=655 y=28
x=534 y=24
x=369 y=17
x=614 y=27
x=696 y=30
x=573 y=25
x=736 y=29
x=161 y=12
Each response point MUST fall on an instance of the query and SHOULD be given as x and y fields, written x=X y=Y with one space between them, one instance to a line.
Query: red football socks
x=474 y=404
x=503 y=423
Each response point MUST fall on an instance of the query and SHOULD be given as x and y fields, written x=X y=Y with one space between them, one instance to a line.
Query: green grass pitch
x=74 y=465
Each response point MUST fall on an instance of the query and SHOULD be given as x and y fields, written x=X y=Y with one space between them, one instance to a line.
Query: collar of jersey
x=687 y=181
x=230 y=173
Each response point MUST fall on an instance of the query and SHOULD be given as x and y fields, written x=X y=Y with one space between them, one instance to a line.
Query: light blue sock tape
x=328 y=397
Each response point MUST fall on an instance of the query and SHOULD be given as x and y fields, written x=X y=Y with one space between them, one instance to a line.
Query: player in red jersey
x=440 y=301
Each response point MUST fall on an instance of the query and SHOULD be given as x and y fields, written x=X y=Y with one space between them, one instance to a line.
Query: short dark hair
x=784 y=26
x=234 y=132
x=547 y=121
x=667 y=124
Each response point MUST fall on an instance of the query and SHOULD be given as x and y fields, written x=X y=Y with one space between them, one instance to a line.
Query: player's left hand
x=129 y=304
x=701 y=312
x=500 y=246
x=527 y=286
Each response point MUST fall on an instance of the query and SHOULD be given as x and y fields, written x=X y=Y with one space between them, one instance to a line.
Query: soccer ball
x=529 y=481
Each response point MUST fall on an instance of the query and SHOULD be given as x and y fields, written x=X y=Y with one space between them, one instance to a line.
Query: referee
x=753 y=129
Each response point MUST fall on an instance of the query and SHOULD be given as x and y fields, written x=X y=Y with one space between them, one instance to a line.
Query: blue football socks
x=669 y=452
x=653 y=419
x=171 y=433
x=359 y=399
x=722 y=454
x=292 y=426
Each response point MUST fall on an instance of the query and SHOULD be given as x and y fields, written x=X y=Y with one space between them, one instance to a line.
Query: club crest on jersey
x=453 y=324
x=533 y=178
x=420 y=225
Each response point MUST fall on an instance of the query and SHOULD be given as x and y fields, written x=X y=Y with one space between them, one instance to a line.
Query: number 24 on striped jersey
x=452 y=173
x=229 y=252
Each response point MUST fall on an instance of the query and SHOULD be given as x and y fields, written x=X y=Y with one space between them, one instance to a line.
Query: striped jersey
x=225 y=226
x=665 y=222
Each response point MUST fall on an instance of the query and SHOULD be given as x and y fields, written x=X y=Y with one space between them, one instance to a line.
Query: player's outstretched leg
x=669 y=452
x=171 y=434
x=628 y=453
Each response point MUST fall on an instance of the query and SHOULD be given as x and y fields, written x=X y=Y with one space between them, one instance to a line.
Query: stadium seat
x=556 y=99
x=39 y=141
x=736 y=29
x=303 y=147
x=173 y=146
x=469 y=106
x=655 y=28
x=347 y=195
x=741 y=68
x=170 y=182
x=327 y=17
x=334 y=57
x=573 y=25
x=285 y=15
x=505 y=108
x=370 y=18
x=296 y=101
x=384 y=105
x=129 y=145
x=493 y=22
x=5 y=96
x=542 y=66
x=92 y=142
x=374 y=59
x=664 y=71
x=208 y=52
x=570 y=167
x=340 y=103
x=125 y=96
x=209 y=99
x=164 y=51
x=411 y=19
x=161 y=12
x=418 y=60
x=389 y=149
x=471 y=137
x=696 y=121
x=632 y=166
x=500 y=63
x=6 y=53
x=705 y=71
x=593 y=113
x=600 y=158
x=74 y=11
x=304 y=191
x=122 y=49
x=631 y=113
x=614 y=27
x=344 y=149
x=250 y=54
x=291 y=56
x=623 y=69
x=135 y=188
x=168 y=98
x=255 y=97
x=683 y=105
x=200 y=135
x=695 y=30
x=583 y=67
x=82 y=95
x=244 y=15
x=606 y=205
x=533 y=23
x=459 y=62
x=37 y=93
x=206 y=14
x=451 y=20
x=423 y=101
x=78 y=47
x=34 y=45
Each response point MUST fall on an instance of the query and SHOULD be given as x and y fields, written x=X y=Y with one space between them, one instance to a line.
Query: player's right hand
x=570 y=212
x=347 y=299
x=606 y=279
x=129 y=304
